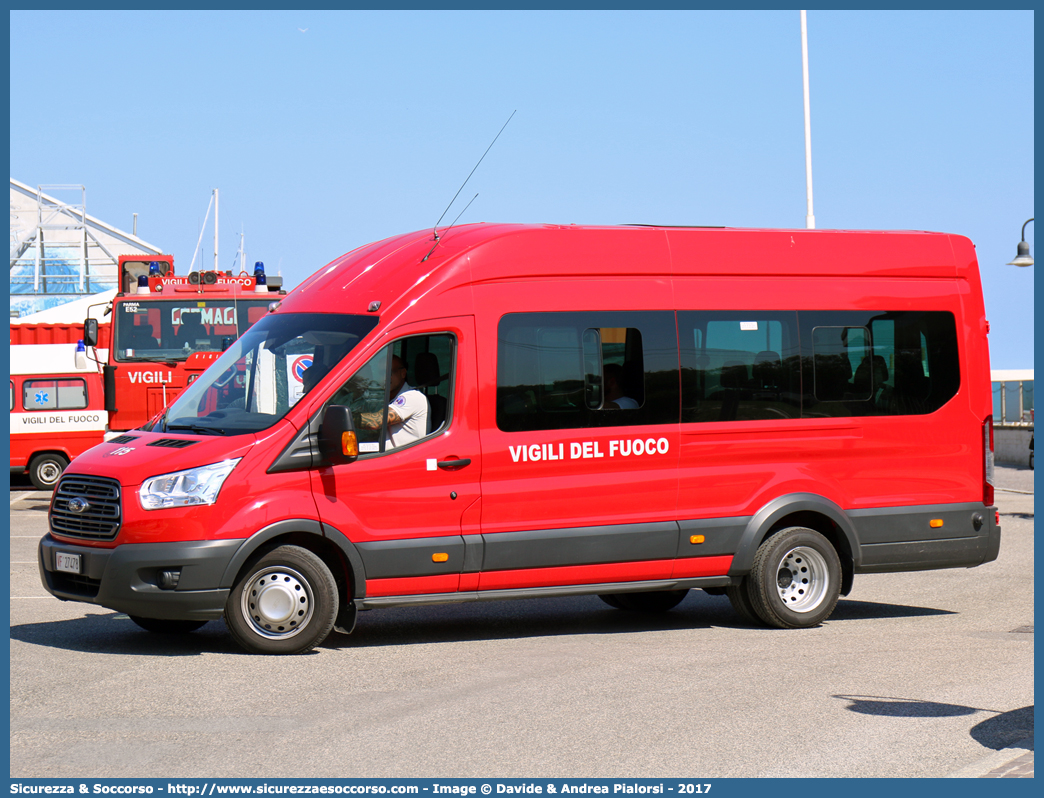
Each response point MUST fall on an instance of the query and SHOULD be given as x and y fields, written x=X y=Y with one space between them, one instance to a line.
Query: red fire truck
x=166 y=330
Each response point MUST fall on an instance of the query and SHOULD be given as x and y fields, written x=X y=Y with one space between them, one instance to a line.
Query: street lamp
x=1023 y=258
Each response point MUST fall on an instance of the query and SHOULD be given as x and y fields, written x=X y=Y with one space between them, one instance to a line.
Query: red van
x=57 y=406
x=511 y=411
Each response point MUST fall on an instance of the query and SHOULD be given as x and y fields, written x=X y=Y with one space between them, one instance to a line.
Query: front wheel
x=795 y=580
x=284 y=602
x=45 y=469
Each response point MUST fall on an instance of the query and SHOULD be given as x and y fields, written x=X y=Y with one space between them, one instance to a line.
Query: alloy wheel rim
x=801 y=579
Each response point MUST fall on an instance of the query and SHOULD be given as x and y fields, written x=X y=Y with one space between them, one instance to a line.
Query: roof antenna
x=436 y=228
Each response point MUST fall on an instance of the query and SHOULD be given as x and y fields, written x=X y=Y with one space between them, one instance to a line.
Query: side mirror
x=337 y=440
x=90 y=332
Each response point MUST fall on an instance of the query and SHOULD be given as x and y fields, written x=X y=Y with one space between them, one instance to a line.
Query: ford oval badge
x=78 y=505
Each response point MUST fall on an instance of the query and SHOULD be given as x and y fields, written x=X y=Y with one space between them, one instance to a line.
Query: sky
x=325 y=130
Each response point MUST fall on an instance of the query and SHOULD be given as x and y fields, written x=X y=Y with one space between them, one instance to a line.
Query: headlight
x=185 y=488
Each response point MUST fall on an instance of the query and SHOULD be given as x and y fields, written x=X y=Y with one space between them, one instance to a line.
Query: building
x=59 y=252
x=1012 y=415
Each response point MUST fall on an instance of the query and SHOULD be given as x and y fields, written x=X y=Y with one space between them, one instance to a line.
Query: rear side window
x=54 y=394
x=586 y=369
x=739 y=366
x=858 y=363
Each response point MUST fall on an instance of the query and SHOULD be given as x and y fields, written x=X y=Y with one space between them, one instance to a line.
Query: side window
x=12 y=396
x=739 y=365
x=54 y=394
x=842 y=364
x=401 y=394
x=877 y=364
x=920 y=350
x=586 y=369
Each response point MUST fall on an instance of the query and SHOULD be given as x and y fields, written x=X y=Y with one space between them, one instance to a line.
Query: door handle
x=451 y=465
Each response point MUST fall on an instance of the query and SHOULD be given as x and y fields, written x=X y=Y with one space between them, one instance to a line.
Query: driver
x=407 y=413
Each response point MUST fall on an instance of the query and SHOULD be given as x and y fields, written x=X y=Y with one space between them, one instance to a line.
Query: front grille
x=173 y=443
x=100 y=520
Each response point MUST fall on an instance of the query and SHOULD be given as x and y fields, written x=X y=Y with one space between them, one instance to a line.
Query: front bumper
x=126 y=578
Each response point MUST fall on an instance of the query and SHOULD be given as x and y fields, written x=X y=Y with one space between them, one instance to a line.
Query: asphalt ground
x=915 y=675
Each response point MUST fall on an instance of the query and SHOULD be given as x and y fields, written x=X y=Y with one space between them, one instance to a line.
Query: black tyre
x=739 y=597
x=612 y=599
x=284 y=602
x=165 y=626
x=45 y=469
x=654 y=601
x=795 y=580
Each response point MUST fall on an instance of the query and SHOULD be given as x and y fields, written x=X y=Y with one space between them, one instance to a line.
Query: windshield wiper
x=197 y=428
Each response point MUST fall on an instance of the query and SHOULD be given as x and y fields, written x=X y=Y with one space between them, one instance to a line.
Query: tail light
x=987 y=454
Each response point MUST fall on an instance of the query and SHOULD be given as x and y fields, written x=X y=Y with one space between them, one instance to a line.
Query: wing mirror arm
x=338 y=442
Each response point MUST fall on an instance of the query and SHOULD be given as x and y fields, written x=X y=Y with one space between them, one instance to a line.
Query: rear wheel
x=45 y=469
x=165 y=626
x=653 y=601
x=795 y=580
x=284 y=602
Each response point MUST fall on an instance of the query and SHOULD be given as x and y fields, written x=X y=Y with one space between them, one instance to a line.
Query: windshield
x=265 y=373
x=174 y=329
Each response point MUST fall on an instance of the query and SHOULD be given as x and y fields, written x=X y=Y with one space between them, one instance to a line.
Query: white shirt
x=625 y=403
x=411 y=406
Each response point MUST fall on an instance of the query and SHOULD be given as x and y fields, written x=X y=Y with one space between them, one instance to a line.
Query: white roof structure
x=1011 y=375
x=58 y=251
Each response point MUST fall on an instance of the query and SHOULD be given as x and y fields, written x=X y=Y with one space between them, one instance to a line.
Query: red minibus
x=509 y=411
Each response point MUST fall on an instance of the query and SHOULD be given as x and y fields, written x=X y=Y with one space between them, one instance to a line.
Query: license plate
x=69 y=563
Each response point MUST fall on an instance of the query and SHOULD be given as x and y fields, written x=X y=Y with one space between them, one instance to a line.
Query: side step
x=542 y=592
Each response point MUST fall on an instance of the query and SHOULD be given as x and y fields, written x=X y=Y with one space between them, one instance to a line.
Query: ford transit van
x=508 y=411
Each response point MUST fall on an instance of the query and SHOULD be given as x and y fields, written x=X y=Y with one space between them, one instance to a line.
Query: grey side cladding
x=720 y=536
x=903 y=538
x=387 y=559
x=547 y=548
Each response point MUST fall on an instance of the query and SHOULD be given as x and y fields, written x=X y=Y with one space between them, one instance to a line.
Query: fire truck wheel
x=652 y=601
x=612 y=599
x=165 y=626
x=284 y=602
x=45 y=469
x=795 y=580
x=740 y=600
